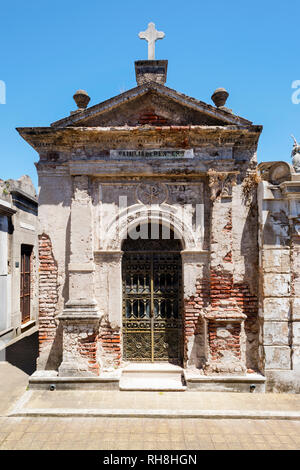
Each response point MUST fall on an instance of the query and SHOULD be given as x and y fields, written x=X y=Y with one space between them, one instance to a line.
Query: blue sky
x=52 y=48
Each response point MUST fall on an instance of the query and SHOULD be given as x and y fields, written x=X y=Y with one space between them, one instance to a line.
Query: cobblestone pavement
x=147 y=433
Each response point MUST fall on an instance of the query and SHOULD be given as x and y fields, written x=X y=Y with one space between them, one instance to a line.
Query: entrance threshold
x=152 y=376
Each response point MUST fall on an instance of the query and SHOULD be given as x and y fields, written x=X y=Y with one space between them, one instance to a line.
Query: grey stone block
x=277 y=357
x=276 y=333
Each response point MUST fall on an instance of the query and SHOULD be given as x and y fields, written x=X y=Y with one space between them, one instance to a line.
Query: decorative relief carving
x=119 y=228
x=221 y=184
x=152 y=193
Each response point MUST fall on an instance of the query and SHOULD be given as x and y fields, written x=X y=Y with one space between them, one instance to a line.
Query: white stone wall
x=279 y=293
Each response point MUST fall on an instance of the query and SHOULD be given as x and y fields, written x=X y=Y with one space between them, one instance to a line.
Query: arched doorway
x=152 y=296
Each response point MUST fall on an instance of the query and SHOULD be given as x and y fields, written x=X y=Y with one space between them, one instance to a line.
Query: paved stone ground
x=147 y=434
x=142 y=433
x=79 y=399
x=13 y=383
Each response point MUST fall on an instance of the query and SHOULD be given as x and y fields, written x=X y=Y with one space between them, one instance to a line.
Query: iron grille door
x=167 y=322
x=152 y=323
x=25 y=283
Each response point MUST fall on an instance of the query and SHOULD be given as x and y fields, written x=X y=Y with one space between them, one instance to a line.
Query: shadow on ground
x=23 y=353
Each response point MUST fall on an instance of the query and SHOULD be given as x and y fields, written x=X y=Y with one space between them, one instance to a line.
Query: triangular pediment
x=151 y=104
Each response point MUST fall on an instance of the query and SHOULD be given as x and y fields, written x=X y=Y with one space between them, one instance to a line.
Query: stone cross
x=151 y=35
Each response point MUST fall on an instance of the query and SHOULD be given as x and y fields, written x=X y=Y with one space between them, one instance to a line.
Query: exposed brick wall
x=225 y=294
x=248 y=303
x=87 y=347
x=224 y=304
x=228 y=226
x=110 y=343
x=232 y=300
x=221 y=294
x=221 y=285
x=226 y=340
x=245 y=300
x=148 y=116
x=47 y=292
x=228 y=257
x=223 y=288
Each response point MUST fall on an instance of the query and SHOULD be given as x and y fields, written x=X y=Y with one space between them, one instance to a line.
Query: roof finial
x=151 y=35
x=81 y=98
x=219 y=97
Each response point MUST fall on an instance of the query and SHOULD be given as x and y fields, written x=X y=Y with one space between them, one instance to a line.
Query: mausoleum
x=168 y=259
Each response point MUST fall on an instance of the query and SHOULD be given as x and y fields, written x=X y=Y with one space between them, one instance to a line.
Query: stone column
x=80 y=318
x=225 y=319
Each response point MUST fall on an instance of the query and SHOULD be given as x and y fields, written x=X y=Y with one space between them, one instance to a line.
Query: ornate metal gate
x=152 y=323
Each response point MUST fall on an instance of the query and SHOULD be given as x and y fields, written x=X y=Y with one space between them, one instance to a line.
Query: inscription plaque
x=152 y=153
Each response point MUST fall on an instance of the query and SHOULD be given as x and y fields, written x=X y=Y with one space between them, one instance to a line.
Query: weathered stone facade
x=279 y=208
x=155 y=155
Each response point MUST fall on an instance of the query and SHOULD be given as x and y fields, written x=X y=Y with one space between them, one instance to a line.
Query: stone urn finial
x=296 y=155
x=219 y=97
x=81 y=98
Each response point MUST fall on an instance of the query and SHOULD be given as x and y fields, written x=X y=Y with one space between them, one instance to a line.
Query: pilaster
x=224 y=317
x=80 y=317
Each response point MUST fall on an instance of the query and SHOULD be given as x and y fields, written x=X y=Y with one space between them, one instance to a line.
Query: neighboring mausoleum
x=18 y=262
x=167 y=258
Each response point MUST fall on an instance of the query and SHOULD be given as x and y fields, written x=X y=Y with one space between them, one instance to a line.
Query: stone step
x=225 y=383
x=152 y=368
x=152 y=384
x=152 y=377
